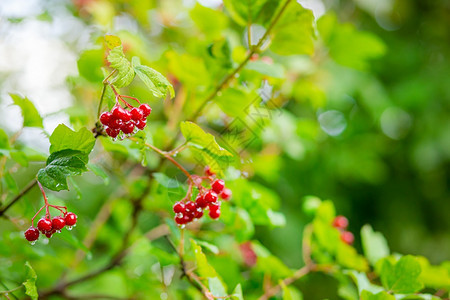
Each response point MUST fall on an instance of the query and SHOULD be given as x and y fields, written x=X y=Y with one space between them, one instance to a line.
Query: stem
x=12 y=290
x=253 y=50
x=297 y=275
x=47 y=212
x=22 y=193
x=103 y=92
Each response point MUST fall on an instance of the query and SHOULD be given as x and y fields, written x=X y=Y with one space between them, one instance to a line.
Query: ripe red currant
x=44 y=225
x=136 y=114
x=120 y=113
x=340 y=222
x=211 y=196
x=115 y=123
x=58 y=223
x=146 y=109
x=179 y=207
x=226 y=194
x=141 y=124
x=201 y=201
x=198 y=214
x=179 y=220
x=214 y=206
x=49 y=234
x=191 y=206
x=32 y=234
x=347 y=237
x=112 y=132
x=128 y=127
x=106 y=118
x=214 y=214
x=218 y=185
x=71 y=219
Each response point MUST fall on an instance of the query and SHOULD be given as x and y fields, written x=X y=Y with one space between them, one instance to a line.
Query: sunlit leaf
x=31 y=117
x=125 y=72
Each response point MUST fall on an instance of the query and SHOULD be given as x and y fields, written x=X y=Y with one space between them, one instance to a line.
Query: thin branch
x=253 y=50
x=25 y=190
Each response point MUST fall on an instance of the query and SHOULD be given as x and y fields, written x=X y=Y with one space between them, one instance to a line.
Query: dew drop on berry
x=69 y=227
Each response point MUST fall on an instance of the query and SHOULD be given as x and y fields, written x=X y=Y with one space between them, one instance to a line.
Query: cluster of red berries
x=127 y=121
x=209 y=199
x=341 y=223
x=49 y=226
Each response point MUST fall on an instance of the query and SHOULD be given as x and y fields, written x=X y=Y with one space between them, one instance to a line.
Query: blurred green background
x=364 y=120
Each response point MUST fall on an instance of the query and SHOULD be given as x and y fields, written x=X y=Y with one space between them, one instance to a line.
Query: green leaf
x=216 y=287
x=365 y=295
x=210 y=21
x=272 y=70
x=294 y=32
x=237 y=293
x=4 y=141
x=234 y=102
x=10 y=182
x=348 y=257
x=348 y=46
x=403 y=276
x=19 y=157
x=31 y=117
x=188 y=69
x=210 y=151
x=437 y=277
x=213 y=248
x=59 y=166
x=155 y=81
x=90 y=64
x=374 y=244
x=363 y=283
x=203 y=268
x=30 y=283
x=97 y=170
x=112 y=41
x=290 y=293
x=244 y=12
x=119 y=62
x=64 y=138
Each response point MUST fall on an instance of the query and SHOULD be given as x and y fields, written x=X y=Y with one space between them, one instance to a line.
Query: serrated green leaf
x=119 y=62
x=374 y=244
x=64 y=138
x=294 y=32
x=366 y=295
x=244 y=12
x=155 y=81
x=403 y=276
x=30 y=283
x=216 y=287
x=31 y=117
x=59 y=166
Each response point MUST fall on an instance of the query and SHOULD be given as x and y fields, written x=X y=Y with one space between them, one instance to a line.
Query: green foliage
x=125 y=72
x=155 y=82
x=30 y=283
x=31 y=117
x=374 y=244
x=401 y=276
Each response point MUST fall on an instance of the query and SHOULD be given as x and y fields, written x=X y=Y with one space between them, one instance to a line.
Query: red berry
x=179 y=207
x=32 y=234
x=188 y=218
x=146 y=109
x=120 y=113
x=105 y=118
x=44 y=225
x=128 y=127
x=214 y=206
x=198 y=214
x=191 y=206
x=50 y=233
x=58 y=223
x=340 y=222
x=136 y=114
x=210 y=196
x=214 y=214
x=71 y=219
x=179 y=220
x=218 y=185
x=226 y=194
x=141 y=124
x=347 y=237
x=208 y=171
x=201 y=201
x=112 y=132
x=115 y=123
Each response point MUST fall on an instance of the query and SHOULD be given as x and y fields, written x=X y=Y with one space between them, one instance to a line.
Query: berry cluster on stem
x=121 y=120
x=48 y=225
x=209 y=199
x=341 y=224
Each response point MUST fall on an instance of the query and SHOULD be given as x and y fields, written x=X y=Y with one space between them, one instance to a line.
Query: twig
x=297 y=275
x=18 y=196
